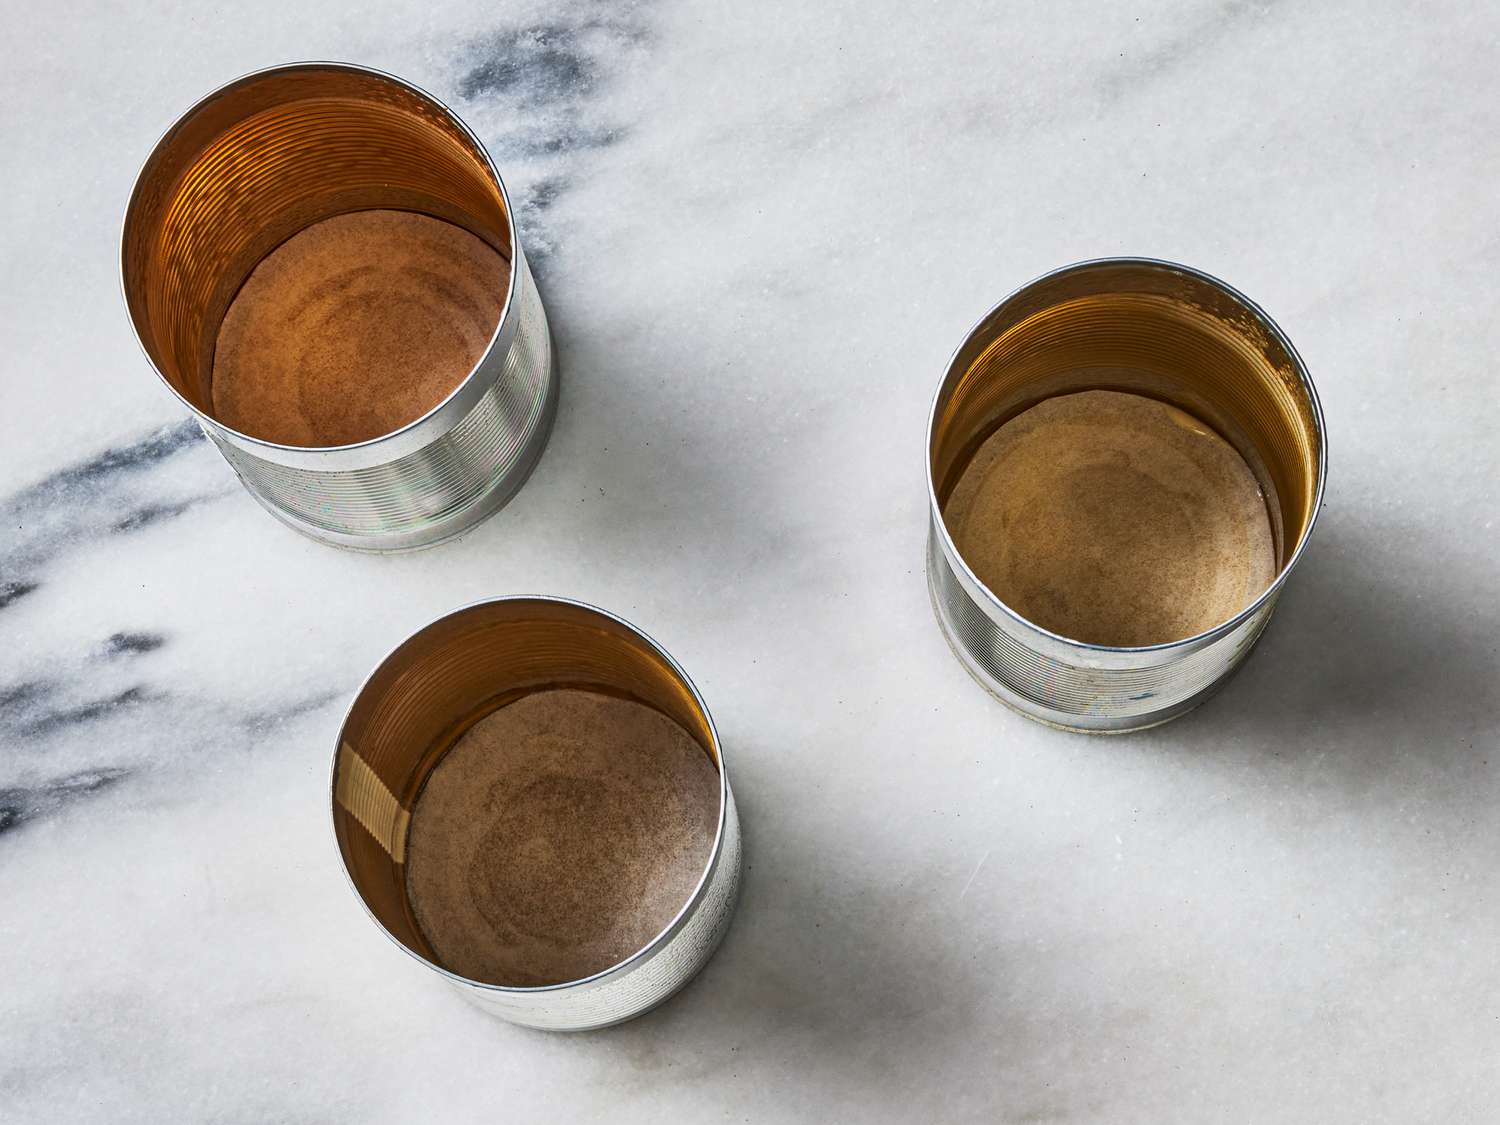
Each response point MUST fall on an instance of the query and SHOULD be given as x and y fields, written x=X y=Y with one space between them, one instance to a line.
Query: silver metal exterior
x=434 y=480
x=619 y=993
x=1070 y=684
x=441 y=474
x=1067 y=684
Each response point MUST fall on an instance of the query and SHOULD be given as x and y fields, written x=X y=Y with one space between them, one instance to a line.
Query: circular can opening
x=316 y=152
x=1121 y=396
x=430 y=758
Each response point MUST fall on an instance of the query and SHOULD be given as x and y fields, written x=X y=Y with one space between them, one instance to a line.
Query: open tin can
x=264 y=158
x=462 y=665
x=1150 y=328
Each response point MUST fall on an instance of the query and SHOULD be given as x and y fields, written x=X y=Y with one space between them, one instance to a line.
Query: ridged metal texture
x=263 y=158
x=1148 y=327
x=422 y=697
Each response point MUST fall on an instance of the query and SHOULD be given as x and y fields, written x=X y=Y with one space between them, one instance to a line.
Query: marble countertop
x=760 y=231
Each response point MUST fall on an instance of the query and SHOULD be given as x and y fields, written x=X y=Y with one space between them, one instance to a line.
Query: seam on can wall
x=366 y=798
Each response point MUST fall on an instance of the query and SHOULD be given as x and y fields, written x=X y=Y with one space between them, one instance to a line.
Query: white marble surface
x=760 y=230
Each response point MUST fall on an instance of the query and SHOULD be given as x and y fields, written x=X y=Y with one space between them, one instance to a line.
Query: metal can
x=1142 y=326
x=267 y=156
x=455 y=670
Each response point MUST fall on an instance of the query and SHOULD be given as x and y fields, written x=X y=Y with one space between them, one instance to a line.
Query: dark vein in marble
x=137 y=455
x=104 y=469
x=20 y=804
x=132 y=644
x=103 y=495
x=149 y=514
x=204 y=723
x=23 y=694
x=543 y=84
x=559 y=60
x=542 y=194
x=260 y=721
x=39 y=722
x=11 y=592
x=530 y=63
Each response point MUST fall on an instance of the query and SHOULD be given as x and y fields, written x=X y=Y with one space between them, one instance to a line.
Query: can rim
x=940 y=526
x=355 y=68
x=693 y=900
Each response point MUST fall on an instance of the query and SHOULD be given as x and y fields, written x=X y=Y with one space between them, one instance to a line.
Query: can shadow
x=633 y=467
x=822 y=969
x=1365 y=662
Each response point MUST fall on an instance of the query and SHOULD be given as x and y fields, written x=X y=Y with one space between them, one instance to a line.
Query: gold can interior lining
x=1146 y=330
x=262 y=160
x=440 y=682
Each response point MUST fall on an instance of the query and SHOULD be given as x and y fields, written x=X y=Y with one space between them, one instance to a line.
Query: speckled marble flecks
x=760 y=231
